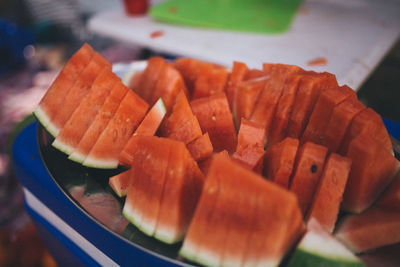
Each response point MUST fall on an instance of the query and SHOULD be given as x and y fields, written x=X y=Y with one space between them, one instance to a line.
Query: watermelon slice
x=283 y=110
x=215 y=117
x=328 y=196
x=77 y=92
x=238 y=74
x=310 y=87
x=120 y=183
x=181 y=125
x=250 y=148
x=245 y=96
x=147 y=127
x=279 y=161
x=390 y=199
x=308 y=168
x=209 y=82
x=201 y=148
x=318 y=248
x=99 y=123
x=341 y=118
x=369 y=230
x=148 y=79
x=105 y=152
x=367 y=121
x=373 y=168
x=54 y=97
x=81 y=119
x=319 y=118
x=223 y=210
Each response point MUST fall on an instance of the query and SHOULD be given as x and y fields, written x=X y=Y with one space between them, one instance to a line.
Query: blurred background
x=38 y=36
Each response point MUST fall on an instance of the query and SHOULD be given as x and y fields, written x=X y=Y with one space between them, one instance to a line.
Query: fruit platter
x=187 y=162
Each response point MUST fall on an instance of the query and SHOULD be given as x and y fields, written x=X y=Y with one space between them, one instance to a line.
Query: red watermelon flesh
x=279 y=161
x=254 y=74
x=106 y=150
x=238 y=74
x=81 y=119
x=250 y=147
x=215 y=117
x=183 y=185
x=264 y=109
x=245 y=96
x=340 y=120
x=99 y=123
x=322 y=112
x=200 y=148
x=181 y=125
x=328 y=196
x=134 y=81
x=390 y=199
x=120 y=182
x=205 y=164
x=367 y=121
x=77 y=92
x=308 y=168
x=149 y=78
x=307 y=94
x=54 y=97
x=373 y=168
x=210 y=82
x=369 y=230
x=169 y=84
x=283 y=110
x=147 y=127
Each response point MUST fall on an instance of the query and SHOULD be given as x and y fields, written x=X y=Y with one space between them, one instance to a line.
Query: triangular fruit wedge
x=279 y=161
x=319 y=248
x=308 y=168
x=201 y=148
x=372 y=170
x=328 y=196
x=238 y=74
x=77 y=92
x=147 y=127
x=369 y=230
x=99 y=123
x=120 y=183
x=215 y=117
x=106 y=150
x=81 y=119
x=250 y=148
x=390 y=199
x=55 y=95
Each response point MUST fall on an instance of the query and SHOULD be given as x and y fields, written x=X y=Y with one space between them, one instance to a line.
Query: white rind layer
x=188 y=250
x=147 y=226
x=206 y=257
x=131 y=215
x=60 y=145
x=77 y=157
x=100 y=163
x=168 y=235
x=44 y=119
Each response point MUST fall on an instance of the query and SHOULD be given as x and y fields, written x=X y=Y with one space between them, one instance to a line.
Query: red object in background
x=136 y=7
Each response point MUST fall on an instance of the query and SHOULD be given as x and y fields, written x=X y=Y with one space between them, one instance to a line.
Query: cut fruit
x=279 y=161
x=147 y=127
x=318 y=248
x=310 y=87
x=215 y=117
x=120 y=183
x=373 y=168
x=81 y=119
x=238 y=74
x=99 y=123
x=328 y=196
x=55 y=95
x=390 y=199
x=319 y=118
x=250 y=148
x=340 y=120
x=308 y=168
x=77 y=92
x=181 y=125
x=369 y=230
x=262 y=220
x=201 y=148
x=367 y=121
x=210 y=82
x=105 y=152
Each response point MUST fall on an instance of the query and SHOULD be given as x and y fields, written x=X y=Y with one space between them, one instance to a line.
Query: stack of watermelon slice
x=240 y=164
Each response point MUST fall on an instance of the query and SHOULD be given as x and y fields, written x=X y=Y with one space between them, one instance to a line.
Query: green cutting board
x=261 y=16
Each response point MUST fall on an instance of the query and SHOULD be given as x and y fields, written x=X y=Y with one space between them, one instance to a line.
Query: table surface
x=352 y=36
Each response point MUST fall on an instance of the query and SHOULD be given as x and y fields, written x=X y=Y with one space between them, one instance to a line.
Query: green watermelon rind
x=77 y=157
x=306 y=258
x=166 y=236
x=45 y=121
x=63 y=147
x=100 y=163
